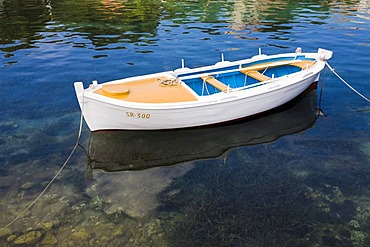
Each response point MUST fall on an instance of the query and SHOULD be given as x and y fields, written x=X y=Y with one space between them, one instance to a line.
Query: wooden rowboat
x=201 y=96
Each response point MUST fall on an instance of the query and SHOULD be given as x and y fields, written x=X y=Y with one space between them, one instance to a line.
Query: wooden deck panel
x=216 y=83
x=304 y=64
x=150 y=91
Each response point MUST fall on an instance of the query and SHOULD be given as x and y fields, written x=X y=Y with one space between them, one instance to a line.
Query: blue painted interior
x=236 y=79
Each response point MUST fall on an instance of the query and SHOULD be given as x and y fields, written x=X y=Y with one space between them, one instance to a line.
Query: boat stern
x=79 y=89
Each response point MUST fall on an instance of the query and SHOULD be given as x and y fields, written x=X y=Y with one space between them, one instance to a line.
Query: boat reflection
x=136 y=150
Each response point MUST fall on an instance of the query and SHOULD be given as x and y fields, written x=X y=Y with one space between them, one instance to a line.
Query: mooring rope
x=320 y=111
x=346 y=83
x=52 y=180
x=168 y=82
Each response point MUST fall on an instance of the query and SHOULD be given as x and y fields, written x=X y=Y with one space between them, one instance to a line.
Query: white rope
x=51 y=181
x=346 y=83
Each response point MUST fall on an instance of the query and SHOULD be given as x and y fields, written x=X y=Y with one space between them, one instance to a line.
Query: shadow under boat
x=136 y=150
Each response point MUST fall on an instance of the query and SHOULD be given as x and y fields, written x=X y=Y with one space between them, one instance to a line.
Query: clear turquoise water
x=305 y=187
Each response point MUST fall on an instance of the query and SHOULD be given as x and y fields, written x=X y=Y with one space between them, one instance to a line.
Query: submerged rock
x=120 y=230
x=358 y=238
x=4 y=232
x=28 y=238
x=49 y=240
x=27 y=185
x=11 y=238
x=137 y=196
x=97 y=203
x=80 y=234
x=47 y=226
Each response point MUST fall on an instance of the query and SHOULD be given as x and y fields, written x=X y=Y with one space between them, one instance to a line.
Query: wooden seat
x=304 y=64
x=256 y=75
x=216 y=83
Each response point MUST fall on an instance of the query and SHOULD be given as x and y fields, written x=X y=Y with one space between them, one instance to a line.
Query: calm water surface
x=285 y=179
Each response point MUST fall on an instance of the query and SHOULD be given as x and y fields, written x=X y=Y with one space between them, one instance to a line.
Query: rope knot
x=168 y=82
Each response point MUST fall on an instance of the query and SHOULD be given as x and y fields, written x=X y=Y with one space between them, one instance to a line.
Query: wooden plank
x=257 y=75
x=268 y=65
x=304 y=64
x=216 y=83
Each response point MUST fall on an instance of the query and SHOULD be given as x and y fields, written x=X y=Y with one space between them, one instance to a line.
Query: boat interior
x=192 y=86
x=242 y=77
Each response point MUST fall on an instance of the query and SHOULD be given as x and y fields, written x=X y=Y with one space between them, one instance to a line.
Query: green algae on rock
x=28 y=238
x=49 y=240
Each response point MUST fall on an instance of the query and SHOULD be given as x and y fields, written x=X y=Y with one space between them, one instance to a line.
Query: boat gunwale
x=220 y=97
x=216 y=99
x=219 y=65
x=250 y=62
x=239 y=69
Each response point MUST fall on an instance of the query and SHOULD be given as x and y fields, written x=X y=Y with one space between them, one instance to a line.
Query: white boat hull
x=104 y=114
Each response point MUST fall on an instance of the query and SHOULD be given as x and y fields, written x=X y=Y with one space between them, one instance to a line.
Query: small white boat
x=208 y=95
